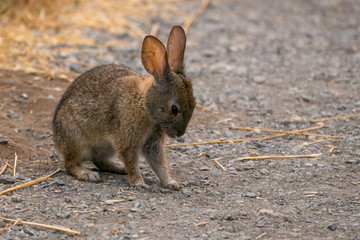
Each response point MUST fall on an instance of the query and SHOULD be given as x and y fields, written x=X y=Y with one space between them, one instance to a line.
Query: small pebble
x=259 y=79
x=332 y=227
x=187 y=193
x=135 y=209
x=7 y=180
x=349 y=161
x=4 y=141
x=29 y=232
x=243 y=237
x=204 y=168
x=24 y=96
x=250 y=195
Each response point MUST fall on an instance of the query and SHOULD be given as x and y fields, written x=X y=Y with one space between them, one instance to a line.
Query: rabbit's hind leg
x=102 y=157
x=74 y=160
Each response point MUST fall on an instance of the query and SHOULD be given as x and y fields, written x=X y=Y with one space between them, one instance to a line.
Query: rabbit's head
x=169 y=101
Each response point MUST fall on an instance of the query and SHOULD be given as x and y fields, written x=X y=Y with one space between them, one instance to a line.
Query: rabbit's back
x=97 y=103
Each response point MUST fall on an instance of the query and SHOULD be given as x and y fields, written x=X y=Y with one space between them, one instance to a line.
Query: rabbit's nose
x=180 y=133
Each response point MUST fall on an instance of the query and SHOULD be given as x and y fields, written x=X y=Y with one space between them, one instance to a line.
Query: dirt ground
x=260 y=64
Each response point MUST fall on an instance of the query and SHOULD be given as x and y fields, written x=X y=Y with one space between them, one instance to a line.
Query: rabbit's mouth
x=173 y=133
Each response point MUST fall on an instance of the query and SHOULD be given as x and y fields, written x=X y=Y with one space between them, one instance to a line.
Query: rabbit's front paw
x=172 y=185
x=89 y=176
x=139 y=184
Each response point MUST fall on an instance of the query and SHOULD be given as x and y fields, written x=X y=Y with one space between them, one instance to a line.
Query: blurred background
x=48 y=37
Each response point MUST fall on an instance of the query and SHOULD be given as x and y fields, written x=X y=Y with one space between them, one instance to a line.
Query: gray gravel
x=260 y=64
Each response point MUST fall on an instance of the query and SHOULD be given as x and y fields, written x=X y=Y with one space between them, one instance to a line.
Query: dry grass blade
x=6 y=227
x=303 y=233
x=213 y=142
x=4 y=168
x=15 y=164
x=89 y=211
x=29 y=183
x=201 y=224
x=216 y=160
x=272 y=157
x=280 y=131
x=333 y=118
x=154 y=29
x=206 y=109
x=314 y=142
x=192 y=17
x=301 y=132
x=335 y=80
x=116 y=230
x=261 y=235
x=124 y=191
x=224 y=120
x=244 y=139
x=61 y=229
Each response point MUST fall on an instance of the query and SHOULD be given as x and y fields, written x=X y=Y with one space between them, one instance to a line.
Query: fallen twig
x=271 y=157
x=333 y=118
x=61 y=229
x=29 y=183
x=216 y=160
x=4 y=168
x=188 y=21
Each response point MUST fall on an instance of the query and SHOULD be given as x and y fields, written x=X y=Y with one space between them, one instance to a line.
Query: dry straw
x=282 y=134
x=61 y=22
x=29 y=183
x=15 y=165
x=4 y=168
x=61 y=229
x=279 y=157
x=334 y=118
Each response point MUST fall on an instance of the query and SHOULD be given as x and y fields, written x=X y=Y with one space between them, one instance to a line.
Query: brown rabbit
x=113 y=109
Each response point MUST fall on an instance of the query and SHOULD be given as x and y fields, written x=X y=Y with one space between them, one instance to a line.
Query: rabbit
x=113 y=109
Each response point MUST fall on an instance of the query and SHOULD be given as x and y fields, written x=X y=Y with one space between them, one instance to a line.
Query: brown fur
x=112 y=109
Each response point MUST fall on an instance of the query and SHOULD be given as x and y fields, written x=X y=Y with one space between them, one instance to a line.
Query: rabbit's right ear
x=176 y=48
x=153 y=57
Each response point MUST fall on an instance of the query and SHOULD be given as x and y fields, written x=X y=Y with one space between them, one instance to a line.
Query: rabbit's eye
x=174 y=110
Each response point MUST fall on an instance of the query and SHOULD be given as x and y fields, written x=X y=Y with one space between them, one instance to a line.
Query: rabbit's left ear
x=176 y=48
x=153 y=57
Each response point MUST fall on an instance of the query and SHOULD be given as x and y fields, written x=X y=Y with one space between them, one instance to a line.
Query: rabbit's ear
x=175 y=48
x=153 y=57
